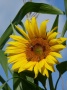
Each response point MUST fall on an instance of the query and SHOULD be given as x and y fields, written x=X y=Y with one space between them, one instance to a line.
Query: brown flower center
x=37 y=49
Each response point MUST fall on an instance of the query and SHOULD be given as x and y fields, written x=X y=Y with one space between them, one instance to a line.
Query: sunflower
x=36 y=50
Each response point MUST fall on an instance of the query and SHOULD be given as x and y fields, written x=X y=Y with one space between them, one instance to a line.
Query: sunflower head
x=38 y=50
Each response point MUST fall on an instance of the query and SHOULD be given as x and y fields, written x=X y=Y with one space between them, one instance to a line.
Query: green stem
x=51 y=82
x=57 y=81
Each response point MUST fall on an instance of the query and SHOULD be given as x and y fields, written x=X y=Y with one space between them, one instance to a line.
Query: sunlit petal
x=22 y=32
x=29 y=28
x=57 y=47
x=56 y=54
x=35 y=27
x=36 y=70
x=43 y=28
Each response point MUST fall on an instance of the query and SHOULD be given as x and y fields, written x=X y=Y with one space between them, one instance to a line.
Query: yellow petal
x=43 y=28
x=36 y=69
x=15 y=58
x=56 y=54
x=18 y=64
x=30 y=68
x=35 y=27
x=15 y=51
x=19 y=38
x=29 y=64
x=61 y=40
x=50 y=59
x=49 y=33
x=45 y=72
x=17 y=44
x=53 y=41
x=57 y=41
x=52 y=36
x=14 y=48
x=22 y=32
x=29 y=28
x=49 y=66
x=21 y=68
x=41 y=63
x=57 y=47
x=16 y=55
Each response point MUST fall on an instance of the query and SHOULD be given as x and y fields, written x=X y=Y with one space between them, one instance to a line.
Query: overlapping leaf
x=24 y=84
x=4 y=85
x=62 y=67
x=28 y=7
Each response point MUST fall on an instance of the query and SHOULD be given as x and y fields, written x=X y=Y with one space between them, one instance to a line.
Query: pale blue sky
x=9 y=9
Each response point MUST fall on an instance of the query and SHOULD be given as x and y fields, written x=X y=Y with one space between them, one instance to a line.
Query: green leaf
x=64 y=29
x=5 y=36
x=3 y=61
x=9 y=68
x=14 y=31
x=51 y=81
x=30 y=79
x=65 y=2
x=28 y=7
x=16 y=82
x=4 y=85
x=62 y=67
x=28 y=73
x=30 y=86
x=36 y=7
x=55 y=24
x=40 y=77
x=25 y=84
